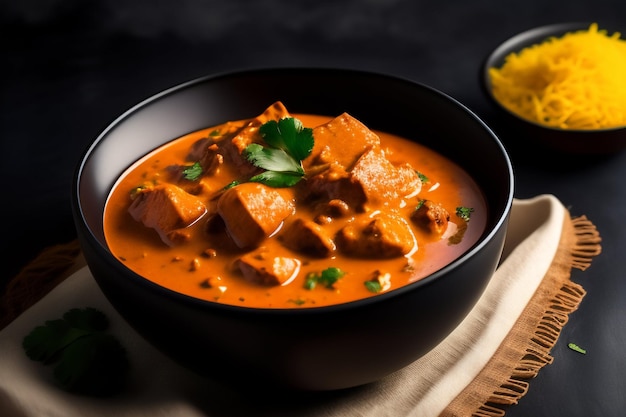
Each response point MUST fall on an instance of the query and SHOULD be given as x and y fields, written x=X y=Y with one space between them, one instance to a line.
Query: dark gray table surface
x=71 y=67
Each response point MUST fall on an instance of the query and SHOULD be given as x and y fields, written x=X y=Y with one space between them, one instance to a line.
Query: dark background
x=71 y=67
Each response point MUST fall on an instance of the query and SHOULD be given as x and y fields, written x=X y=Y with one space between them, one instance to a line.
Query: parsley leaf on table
x=87 y=359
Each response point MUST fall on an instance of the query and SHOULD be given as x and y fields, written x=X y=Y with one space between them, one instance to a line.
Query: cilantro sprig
x=289 y=143
x=87 y=360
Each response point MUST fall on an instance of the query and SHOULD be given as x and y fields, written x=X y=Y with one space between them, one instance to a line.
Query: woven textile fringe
x=578 y=252
x=37 y=279
x=588 y=243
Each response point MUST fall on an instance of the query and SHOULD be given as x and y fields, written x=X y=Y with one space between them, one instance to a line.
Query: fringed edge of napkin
x=519 y=358
x=38 y=278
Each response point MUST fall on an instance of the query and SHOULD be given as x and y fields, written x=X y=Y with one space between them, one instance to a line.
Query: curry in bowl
x=301 y=345
x=291 y=211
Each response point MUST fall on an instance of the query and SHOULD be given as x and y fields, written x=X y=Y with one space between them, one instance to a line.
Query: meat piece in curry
x=166 y=208
x=253 y=211
x=260 y=218
x=381 y=236
x=431 y=216
x=234 y=147
x=263 y=268
x=306 y=236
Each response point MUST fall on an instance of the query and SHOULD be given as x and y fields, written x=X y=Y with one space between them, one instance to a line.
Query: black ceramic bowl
x=322 y=348
x=528 y=133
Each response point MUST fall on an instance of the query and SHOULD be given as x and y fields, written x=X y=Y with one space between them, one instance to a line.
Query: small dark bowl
x=512 y=127
x=322 y=348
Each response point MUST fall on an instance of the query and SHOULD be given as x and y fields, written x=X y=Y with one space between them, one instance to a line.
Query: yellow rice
x=577 y=81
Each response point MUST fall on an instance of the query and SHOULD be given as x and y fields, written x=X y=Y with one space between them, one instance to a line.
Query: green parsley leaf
x=87 y=359
x=464 y=213
x=92 y=365
x=277 y=179
x=44 y=343
x=272 y=159
x=193 y=172
x=289 y=143
x=289 y=135
x=422 y=177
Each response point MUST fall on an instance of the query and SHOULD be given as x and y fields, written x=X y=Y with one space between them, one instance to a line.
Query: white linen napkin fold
x=159 y=387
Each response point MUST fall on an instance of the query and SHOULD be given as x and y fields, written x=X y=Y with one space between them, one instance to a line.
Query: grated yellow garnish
x=577 y=81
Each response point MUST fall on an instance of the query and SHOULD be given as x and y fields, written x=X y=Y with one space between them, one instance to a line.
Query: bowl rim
x=487 y=236
x=515 y=44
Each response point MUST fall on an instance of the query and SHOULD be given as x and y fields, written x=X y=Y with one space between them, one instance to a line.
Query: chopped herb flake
x=373 y=286
x=327 y=278
x=231 y=185
x=422 y=177
x=576 y=348
x=464 y=213
x=310 y=281
x=193 y=172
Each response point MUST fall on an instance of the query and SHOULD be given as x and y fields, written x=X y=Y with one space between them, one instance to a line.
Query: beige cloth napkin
x=470 y=371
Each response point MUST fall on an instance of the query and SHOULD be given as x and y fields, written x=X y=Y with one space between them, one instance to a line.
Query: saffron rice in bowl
x=562 y=85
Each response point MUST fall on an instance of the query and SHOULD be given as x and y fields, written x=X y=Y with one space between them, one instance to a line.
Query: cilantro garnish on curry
x=291 y=211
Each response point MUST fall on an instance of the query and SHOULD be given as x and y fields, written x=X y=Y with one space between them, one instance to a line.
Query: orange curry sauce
x=205 y=267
